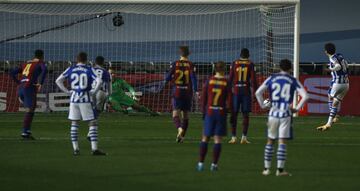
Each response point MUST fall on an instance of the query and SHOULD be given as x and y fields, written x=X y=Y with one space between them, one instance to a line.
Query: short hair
x=82 y=57
x=39 y=54
x=184 y=51
x=244 y=53
x=100 y=60
x=285 y=65
x=330 y=48
x=220 y=66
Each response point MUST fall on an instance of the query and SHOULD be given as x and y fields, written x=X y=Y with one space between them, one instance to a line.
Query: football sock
x=203 y=151
x=269 y=151
x=330 y=105
x=333 y=112
x=233 y=123
x=245 y=124
x=216 y=152
x=93 y=132
x=177 y=122
x=281 y=156
x=74 y=136
x=185 y=124
x=28 y=118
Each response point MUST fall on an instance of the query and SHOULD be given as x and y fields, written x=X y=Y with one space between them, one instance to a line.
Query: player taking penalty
x=216 y=93
x=243 y=79
x=281 y=87
x=339 y=84
x=184 y=83
x=33 y=75
x=80 y=78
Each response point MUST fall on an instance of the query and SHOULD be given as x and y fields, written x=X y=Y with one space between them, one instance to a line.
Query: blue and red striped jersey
x=215 y=94
x=32 y=72
x=242 y=76
x=183 y=78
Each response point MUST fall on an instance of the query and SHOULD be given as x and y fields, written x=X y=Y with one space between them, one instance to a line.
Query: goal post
x=141 y=49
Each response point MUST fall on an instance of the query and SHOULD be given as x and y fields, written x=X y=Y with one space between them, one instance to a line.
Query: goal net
x=142 y=48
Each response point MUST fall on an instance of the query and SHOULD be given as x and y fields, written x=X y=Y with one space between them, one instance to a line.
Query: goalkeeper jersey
x=120 y=86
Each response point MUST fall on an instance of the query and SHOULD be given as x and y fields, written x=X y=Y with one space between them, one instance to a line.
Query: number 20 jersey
x=281 y=88
x=80 y=78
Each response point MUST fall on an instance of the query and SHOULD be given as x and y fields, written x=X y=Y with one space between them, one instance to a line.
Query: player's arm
x=231 y=73
x=194 y=80
x=60 y=81
x=108 y=83
x=260 y=92
x=129 y=88
x=42 y=76
x=336 y=66
x=14 y=73
x=229 y=97
x=170 y=74
x=304 y=96
x=204 y=98
x=253 y=77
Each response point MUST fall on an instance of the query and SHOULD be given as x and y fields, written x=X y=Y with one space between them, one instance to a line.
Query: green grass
x=144 y=156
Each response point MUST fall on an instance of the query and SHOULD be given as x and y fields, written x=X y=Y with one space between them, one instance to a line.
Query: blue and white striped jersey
x=281 y=87
x=80 y=78
x=339 y=76
x=104 y=75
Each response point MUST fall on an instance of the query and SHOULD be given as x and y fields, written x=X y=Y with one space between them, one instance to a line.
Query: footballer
x=33 y=74
x=243 y=80
x=184 y=84
x=215 y=94
x=339 y=84
x=281 y=87
x=80 y=78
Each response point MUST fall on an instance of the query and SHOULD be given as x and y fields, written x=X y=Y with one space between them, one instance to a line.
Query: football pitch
x=143 y=155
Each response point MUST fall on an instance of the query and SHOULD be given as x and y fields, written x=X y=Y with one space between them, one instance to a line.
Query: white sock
x=74 y=136
x=269 y=151
x=93 y=132
x=281 y=156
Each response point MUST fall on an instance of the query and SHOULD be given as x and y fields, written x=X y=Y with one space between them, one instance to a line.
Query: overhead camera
x=118 y=20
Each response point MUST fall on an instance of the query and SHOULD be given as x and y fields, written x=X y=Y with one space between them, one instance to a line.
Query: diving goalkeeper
x=119 y=99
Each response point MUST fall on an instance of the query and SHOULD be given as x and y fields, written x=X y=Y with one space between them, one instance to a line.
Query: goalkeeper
x=119 y=99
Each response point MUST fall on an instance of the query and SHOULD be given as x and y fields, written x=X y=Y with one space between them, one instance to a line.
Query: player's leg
x=245 y=109
x=176 y=116
x=338 y=93
x=28 y=96
x=144 y=109
x=74 y=117
x=234 y=118
x=330 y=102
x=272 y=134
x=74 y=134
x=202 y=152
x=285 y=133
x=219 y=132
x=88 y=114
x=115 y=103
x=185 y=121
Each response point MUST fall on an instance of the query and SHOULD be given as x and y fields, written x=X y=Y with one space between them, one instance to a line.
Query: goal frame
x=296 y=3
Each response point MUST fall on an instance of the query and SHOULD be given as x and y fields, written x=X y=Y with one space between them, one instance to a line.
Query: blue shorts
x=183 y=104
x=242 y=103
x=28 y=96
x=215 y=125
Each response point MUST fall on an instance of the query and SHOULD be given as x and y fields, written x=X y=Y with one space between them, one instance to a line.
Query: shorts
x=122 y=100
x=279 y=128
x=215 y=125
x=99 y=100
x=339 y=91
x=81 y=111
x=242 y=103
x=28 y=97
x=183 y=104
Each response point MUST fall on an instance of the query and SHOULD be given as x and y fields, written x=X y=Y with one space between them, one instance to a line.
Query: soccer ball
x=267 y=103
